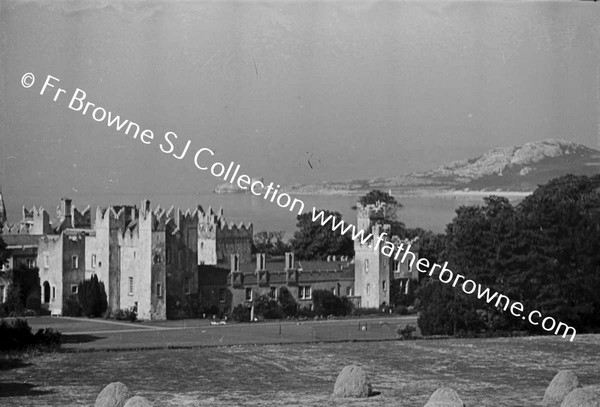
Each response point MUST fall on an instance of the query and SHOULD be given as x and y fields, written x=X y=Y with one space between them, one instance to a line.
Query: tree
x=313 y=241
x=288 y=304
x=326 y=303
x=92 y=297
x=4 y=253
x=375 y=196
x=270 y=243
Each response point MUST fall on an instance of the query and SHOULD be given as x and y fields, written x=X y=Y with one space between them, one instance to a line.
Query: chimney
x=289 y=261
x=65 y=211
x=261 y=261
x=235 y=262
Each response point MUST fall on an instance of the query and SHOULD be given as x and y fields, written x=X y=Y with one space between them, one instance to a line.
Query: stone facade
x=144 y=257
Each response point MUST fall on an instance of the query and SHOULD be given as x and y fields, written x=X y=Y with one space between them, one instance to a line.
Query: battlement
x=371 y=211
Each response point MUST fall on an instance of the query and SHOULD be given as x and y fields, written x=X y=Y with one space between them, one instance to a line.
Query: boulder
x=113 y=395
x=138 y=401
x=563 y=383
x=582 y=397
x=352 y=382
x=445 y=397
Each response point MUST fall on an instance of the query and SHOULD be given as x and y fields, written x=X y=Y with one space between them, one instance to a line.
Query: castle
x=169 y=264
x=147 y=258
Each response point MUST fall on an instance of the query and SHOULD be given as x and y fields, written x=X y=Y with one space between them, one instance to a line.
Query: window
x=46 y=261
x=273 y=293
x=222 y=295
x=248 y=294
x=304 y=292
x=130 y=285
x=168 y=255
x=73 y=288
x=2 y=293
x=384 y=285
x=158 y=289
x=74 y=262
x=349 y=291
x=30 y=263
x=368 y=288
x=53 y=293
x=179 y=258
x=93 y=260
x=366 y=266
x=157 y=259
x=186 y=285
x=333 y=291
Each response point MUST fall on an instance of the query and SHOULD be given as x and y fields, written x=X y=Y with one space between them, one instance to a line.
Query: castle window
x=53 y=293
x=222 y=295
x=73 y=288
x=201 y=245
x=74 y=262
x=349 y=291
x=248 y=294
x=158 y=289
x=157 y=259
x=30 y=263
x=134 y=253
x=366 y=266
x=333 y=291
x=368 y=288
x=46 y=261
x=130 y=285
x=2 y=288
x=180 y=258
x=304 y=292
x=273 y=292
x=384 y=285
x=168 y=255
x=186 y=285
x=93 y=260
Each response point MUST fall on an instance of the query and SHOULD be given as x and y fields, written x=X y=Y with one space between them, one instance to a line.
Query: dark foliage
x=288 y=303
x=313 y=241
x=544 y=253
x=92 y=297
x=270 y=243
x=325 y=303
x=17 y=335
x=240 y=313
x=125 y=315
x=71 y=307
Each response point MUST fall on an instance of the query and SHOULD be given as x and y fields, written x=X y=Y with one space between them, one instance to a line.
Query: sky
x=361 y=89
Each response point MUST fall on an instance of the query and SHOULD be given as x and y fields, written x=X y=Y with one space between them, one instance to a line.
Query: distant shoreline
x=412 y=192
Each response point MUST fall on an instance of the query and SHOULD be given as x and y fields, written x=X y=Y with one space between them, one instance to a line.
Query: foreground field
x=491 y=372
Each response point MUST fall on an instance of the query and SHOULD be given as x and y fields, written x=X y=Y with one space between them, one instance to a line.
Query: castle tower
x=372 y=268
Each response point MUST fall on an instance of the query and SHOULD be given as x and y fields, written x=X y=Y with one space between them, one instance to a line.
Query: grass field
x=485 y=372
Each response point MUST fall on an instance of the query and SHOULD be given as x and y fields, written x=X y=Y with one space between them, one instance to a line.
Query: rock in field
x=445 y=397
x=563 y=383
x=352 y=382
x=113 y=395
x=582 y=397
x=138 y=401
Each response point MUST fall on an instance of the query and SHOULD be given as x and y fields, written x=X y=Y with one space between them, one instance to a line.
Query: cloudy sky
x=362 y=89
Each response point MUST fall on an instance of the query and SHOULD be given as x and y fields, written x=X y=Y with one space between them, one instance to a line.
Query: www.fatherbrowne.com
x=445 y=275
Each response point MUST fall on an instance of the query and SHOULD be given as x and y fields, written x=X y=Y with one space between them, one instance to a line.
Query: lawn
x=485 y=372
